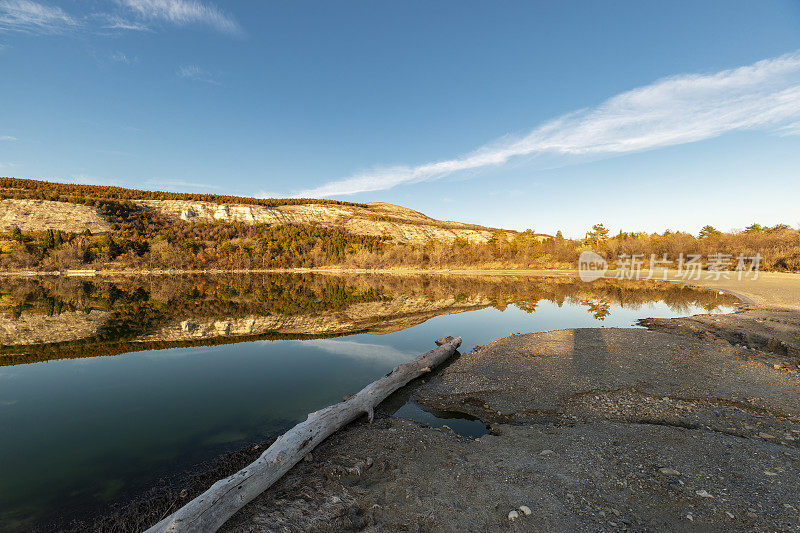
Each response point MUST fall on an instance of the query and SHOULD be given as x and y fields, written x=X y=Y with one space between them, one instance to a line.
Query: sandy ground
x=771 y=289
x=691 y=424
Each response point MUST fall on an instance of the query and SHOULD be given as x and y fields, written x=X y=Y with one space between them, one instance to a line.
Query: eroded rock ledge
x=771 y=330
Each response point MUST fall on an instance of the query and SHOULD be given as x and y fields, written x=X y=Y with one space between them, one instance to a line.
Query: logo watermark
x=591 y=266
x=689 y=267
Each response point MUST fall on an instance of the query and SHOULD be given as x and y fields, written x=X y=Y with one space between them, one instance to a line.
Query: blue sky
x=543 y=115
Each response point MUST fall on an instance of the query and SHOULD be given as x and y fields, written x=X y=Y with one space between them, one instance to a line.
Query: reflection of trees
x=599 y=308
x=236 y=295
x=38 y=300
x=137 y=309
x=529 y=306
x=138 y=306
x=602 y=294
x=207 y=296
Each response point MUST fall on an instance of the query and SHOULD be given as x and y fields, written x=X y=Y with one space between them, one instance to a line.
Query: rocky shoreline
x=690 y=424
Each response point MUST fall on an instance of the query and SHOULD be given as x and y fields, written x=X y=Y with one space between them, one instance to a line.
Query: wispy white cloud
x=8 y=138
x=359 y=350
x=120 y=57
x=32 y=17
x=195 y=73
x=675 y=110
x=790 y=129
x=77 y=179
x=181 y=184
x=184 y=13
x=116 y=22
x=87 y=179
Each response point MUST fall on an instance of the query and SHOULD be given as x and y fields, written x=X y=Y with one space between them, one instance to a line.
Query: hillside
x=59 y=227
x=38 y=206
x=399 y=224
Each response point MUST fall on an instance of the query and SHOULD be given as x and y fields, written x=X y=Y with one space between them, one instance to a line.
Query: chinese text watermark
x=689 y=267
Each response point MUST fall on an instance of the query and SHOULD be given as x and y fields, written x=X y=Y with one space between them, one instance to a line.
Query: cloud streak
x=9 y=138
x=676 y=110
x=195 y=73
x=184 y=13
x=115 y=22
x=359 y=350
x=27 y=16
x=120 y=57
x=181 y=184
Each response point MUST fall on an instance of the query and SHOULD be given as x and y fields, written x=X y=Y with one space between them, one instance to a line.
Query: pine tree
x=49 y=240
x=708 y=230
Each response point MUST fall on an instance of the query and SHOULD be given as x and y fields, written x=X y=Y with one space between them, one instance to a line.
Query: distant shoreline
x=295 y=270
x=672 y=274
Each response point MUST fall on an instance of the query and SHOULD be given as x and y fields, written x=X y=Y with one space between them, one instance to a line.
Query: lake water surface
x=107 y=387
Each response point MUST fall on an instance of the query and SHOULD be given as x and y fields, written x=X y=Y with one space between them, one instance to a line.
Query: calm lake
x=108 y=387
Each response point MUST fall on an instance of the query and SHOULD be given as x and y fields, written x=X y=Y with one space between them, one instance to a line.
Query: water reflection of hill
x=63 y=318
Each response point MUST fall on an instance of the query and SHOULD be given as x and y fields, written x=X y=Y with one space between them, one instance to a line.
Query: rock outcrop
x=402 y=225
x=38 y=215
x=36 y=328
x=369 y=317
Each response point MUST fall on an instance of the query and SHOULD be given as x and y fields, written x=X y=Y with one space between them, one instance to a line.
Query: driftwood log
x=211 y=509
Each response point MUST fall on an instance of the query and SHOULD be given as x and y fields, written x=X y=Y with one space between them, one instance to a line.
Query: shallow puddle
x=461 y=423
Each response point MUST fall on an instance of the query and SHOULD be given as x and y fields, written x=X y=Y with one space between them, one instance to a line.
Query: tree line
x=144 y=239
x=76 y=193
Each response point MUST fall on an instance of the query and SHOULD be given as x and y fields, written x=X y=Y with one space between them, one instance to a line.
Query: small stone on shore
x=513 y=515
